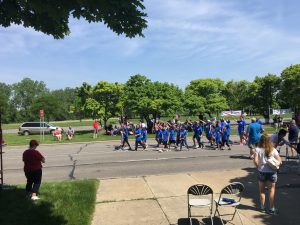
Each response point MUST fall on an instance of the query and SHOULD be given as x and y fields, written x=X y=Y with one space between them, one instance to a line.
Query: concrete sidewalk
x=161 y=199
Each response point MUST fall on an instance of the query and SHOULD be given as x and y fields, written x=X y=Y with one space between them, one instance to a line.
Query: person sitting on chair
x=70 y=133
x=57 y=134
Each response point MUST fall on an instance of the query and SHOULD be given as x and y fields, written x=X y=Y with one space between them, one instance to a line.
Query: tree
x=24 y=94
x=5 y=93
x=108 y=95
x=194 y=104
x=66 y=98
x=80 y=105
x=53 y=108
x=236 y=93
x=266 y=95
x=52 y=17
x=216 y=103
x=152 y=99
x=205 y=87
x=290 y=86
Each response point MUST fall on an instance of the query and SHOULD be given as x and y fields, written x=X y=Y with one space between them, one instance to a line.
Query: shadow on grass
x=16 y=209
x=287 y=198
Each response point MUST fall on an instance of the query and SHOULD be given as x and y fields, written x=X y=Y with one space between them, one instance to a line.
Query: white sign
x=232 y=113
x=281 y=111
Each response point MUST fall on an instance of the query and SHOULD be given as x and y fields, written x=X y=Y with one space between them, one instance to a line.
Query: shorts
x=263 y=177
x=172 y=142
x=96 y=131
x=253 y=145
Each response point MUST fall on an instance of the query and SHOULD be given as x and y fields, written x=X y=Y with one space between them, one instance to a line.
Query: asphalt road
x=101 y=160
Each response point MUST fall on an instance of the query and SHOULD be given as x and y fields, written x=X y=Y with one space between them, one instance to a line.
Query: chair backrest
x=234 y=188
x=199 y=189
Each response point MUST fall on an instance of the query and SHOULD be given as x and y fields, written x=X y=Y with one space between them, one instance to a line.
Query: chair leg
x=240 y=217
x=219 y=215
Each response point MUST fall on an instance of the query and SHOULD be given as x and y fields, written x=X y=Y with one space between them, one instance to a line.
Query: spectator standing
x=95 y=128
x=266 y=175
x=253 y=134
x=293 y=136
x=33 y=160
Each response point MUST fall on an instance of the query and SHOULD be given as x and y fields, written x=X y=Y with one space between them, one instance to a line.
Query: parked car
x=36 y=127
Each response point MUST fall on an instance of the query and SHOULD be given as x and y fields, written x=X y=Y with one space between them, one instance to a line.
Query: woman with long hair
x=266 y=175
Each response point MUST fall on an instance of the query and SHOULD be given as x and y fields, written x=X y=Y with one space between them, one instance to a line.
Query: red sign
x=41 y=113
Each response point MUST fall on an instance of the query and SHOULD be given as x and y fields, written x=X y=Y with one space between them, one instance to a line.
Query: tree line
x=143 y=98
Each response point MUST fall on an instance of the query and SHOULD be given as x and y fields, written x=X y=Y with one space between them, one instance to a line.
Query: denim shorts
x=263 y=177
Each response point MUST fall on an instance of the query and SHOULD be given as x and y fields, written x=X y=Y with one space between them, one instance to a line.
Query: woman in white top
x=266 y=175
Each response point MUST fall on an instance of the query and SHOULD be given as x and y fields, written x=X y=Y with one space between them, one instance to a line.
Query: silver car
x=36 y=128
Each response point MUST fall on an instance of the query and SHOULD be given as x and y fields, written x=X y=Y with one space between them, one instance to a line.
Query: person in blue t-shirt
x=217 y=135
x=195 y=129
x=165 y=135
x=125 y=134
x=159 y=136
x=241 y=129
x=138 y=137
x=208 y=131
x=172 y=139
x=228 y=131
x=144 y=136
x=253 y=134
x=183 y=136
x=225 y=138
x=199 y=136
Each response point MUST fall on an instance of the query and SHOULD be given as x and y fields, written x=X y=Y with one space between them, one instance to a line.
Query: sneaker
x=263 y=210
x=273 y=212
x=229 y=148
x=34 y=198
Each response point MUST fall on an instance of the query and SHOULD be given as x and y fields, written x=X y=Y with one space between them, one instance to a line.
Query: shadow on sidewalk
x=287 y=198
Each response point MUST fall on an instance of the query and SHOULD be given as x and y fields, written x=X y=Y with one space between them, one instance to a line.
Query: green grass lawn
x=80 y=136
x=61 y=203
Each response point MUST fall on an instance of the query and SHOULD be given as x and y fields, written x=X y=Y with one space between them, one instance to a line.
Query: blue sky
x=185 y=40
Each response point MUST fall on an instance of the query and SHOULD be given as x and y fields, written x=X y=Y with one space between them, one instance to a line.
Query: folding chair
x=197 y=196
x=230 y=196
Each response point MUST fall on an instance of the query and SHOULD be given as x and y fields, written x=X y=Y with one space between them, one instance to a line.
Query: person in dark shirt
x=293 y=136
x=33 y=160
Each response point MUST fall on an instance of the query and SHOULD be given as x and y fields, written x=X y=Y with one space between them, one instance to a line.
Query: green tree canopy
x=266 y=94
x=108 y=95
x=194 y=104
x=290 y=86
x=52 y=17
x=25 y=93
x=205 y=87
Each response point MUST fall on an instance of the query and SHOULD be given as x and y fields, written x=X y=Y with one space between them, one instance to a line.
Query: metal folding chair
x=198 y=196
x=230 y=196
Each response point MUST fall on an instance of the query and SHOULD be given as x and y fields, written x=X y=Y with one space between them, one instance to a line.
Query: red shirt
x=96 y=125
x=32 y=160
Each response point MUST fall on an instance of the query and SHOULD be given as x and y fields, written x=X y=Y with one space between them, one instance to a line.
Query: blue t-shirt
x=183 y=134
x=207 y=129
x=144 y=134
x=166 y=134
x=199 y=131
x=228 y=129
x=136 y=132
x=160 y=134
x=241 y=126
x=172 y=135
x=254 y=132
x=125 y=133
